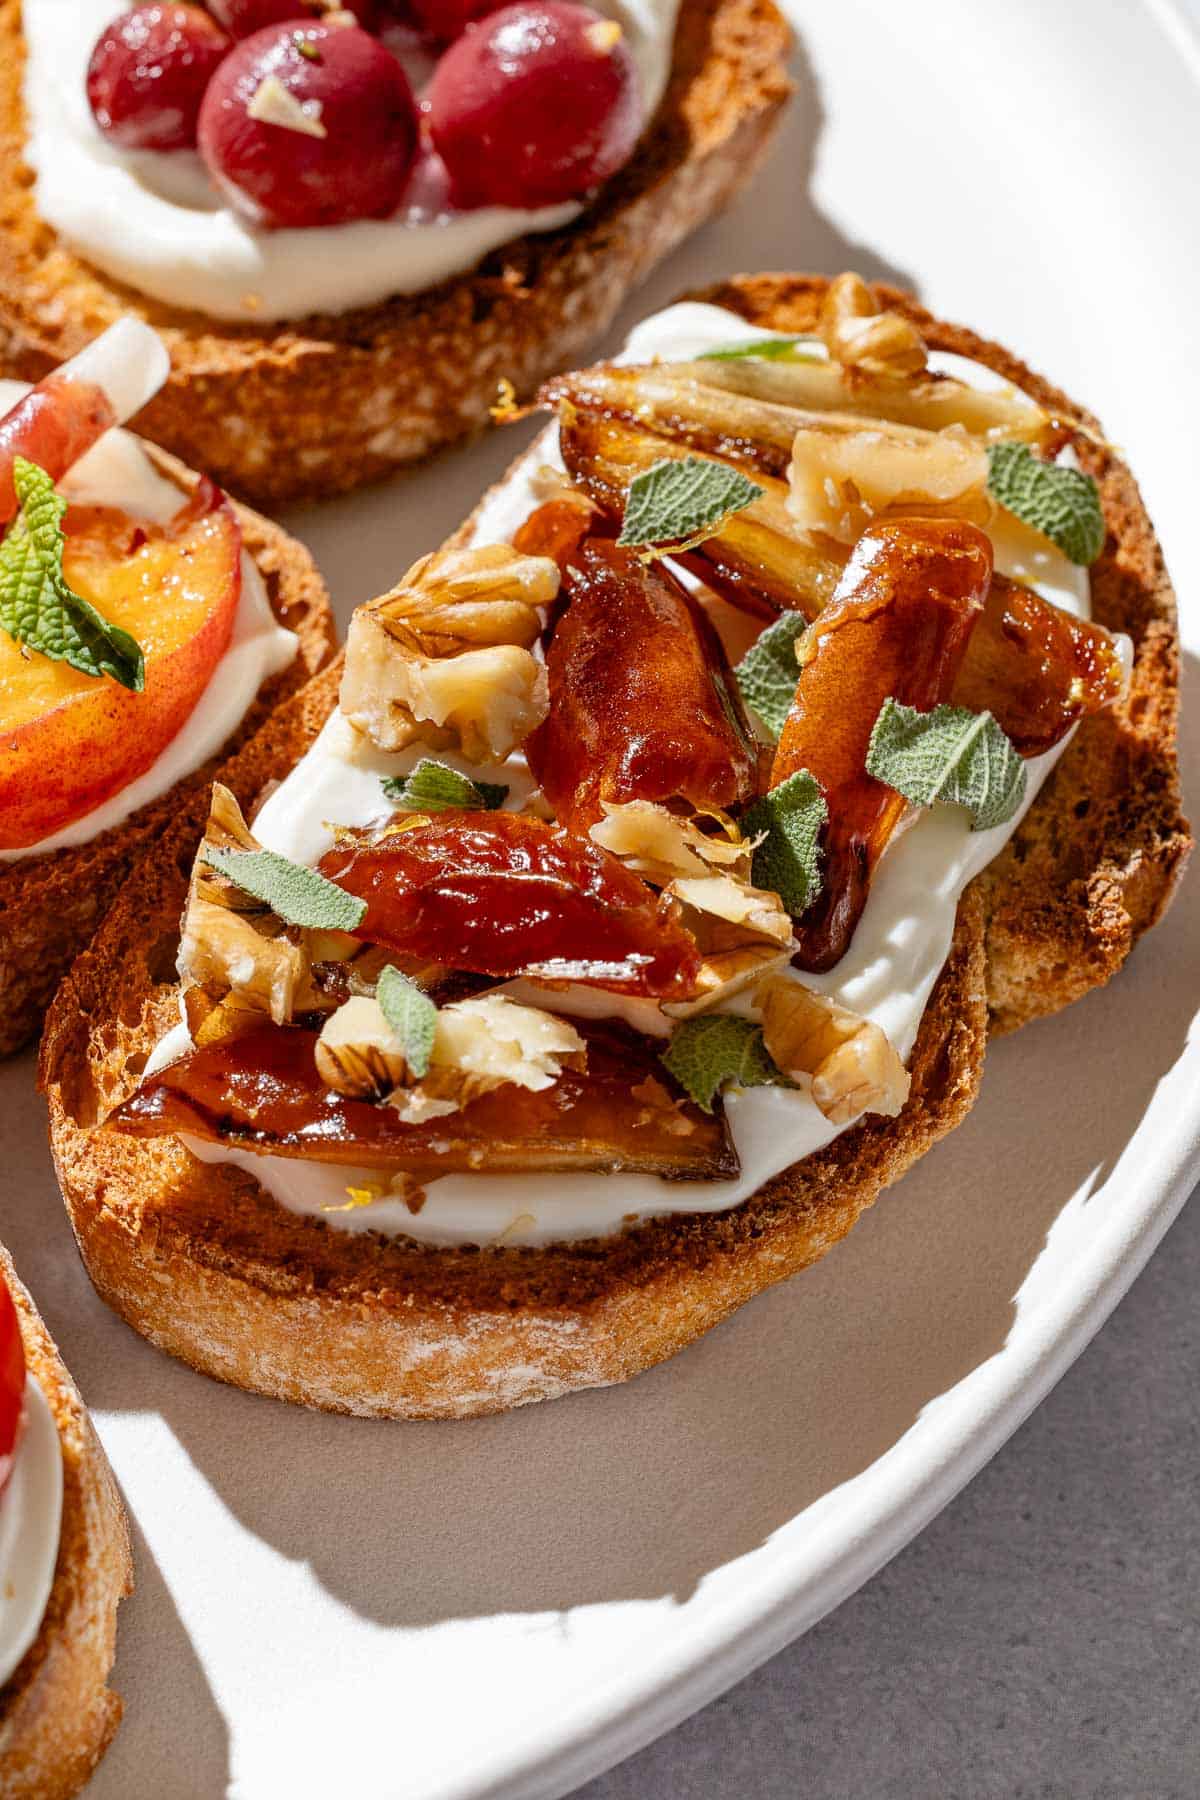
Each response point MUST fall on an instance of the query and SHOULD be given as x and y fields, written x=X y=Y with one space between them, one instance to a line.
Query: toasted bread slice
x=57 y=1714
x=50 y=904
x=328 y=403
x=202 y=1262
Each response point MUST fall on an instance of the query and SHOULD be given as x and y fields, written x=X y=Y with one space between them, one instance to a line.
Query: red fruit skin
x=149 y=72
x=446 y=20
x=12 y=1381
x=276 y=176
x=535 y=106
x=241 y=18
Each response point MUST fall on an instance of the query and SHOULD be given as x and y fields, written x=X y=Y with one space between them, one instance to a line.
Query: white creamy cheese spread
x=30 y=1522
x=898 y=950
x=117 y=472
x=154 y=220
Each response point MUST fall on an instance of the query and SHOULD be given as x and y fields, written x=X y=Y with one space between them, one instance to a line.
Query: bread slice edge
x=57 y=1713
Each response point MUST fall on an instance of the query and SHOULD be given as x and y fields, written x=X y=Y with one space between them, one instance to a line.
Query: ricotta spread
x=117 y=472
x=898 y=950
x=154 y=220
x=30 y=1524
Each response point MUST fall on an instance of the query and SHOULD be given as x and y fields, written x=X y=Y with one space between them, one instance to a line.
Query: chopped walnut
x=447 y=656
x=848 y=1063
x=358 y=1053
x=758 y=912
x=859 y=335
x=846 y=472
x=482 y=1044
x=236 y=962
x=724 y=973
x=663 y=846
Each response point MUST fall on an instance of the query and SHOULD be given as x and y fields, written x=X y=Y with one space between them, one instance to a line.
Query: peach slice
x=70 y=741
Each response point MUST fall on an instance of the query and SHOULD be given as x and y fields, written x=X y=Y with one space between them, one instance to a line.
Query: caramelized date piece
x=503 y=894
x=1035 y=667
x=756 y=561
x=897 y=628
x=756 y=434
x=642 y=702
x=262 y=1092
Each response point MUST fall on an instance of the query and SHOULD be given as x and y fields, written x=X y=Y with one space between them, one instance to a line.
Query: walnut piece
x=846 y=472
x=847 y=1062
x=447 y=656
x=663 y=846
x=481 y=1044
x=859 y=335
x=236 y=961
x=358 y=1053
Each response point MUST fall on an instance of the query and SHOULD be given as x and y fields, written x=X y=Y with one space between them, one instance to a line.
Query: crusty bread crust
x=51 y=904
x=202 y=1262
x=57 y=1714
x=324 y=404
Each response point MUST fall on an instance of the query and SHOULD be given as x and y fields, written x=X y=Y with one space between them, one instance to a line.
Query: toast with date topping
x=85 y=720
x=706 y=850
x=57 y=1713
x=326 y=403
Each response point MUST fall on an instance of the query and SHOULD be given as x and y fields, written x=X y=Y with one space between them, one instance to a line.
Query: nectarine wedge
x=69 y=741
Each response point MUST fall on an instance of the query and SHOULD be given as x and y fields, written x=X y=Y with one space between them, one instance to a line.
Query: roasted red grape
x=535 y=105
x=12 y=1380
x=241 y=18
x=310 y=125
x=446 y=20
x=148 y=74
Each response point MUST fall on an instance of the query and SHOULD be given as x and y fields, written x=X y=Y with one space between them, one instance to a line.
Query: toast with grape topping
x=51 y=901
x=198 y=1257
x=326 y=403
x=57 y=1713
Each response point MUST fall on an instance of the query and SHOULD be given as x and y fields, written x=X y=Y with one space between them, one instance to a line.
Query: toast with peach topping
x=326 y=403
x=57 y=1712
x=199 y=1257
x=69 y=742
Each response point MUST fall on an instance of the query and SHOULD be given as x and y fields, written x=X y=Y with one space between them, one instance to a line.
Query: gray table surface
x=1042 y=1637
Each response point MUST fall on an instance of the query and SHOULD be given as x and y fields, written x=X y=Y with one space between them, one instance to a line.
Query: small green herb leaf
x=411 y=1015
x=1063 y=504
x=771 y=349
x=38 y=608
x=434 y=786
x=768 y=673
x=717 y=1050
x=958 y=757
x=300 y=896
x=682 y=501
x=788 y=858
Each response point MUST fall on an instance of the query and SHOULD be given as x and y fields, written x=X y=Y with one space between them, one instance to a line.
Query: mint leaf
x=1063 y=504
x=299 y=896
x=950 y=755
x=772 y=349
x=38 y=608
x=434 y=786
x=716 y=1050
x=788 y=858
x=411 y=1015
x=682 y=500
x=768 y=673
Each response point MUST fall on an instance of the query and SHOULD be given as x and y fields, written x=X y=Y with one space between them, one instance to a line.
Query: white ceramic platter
x=503 y=1608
